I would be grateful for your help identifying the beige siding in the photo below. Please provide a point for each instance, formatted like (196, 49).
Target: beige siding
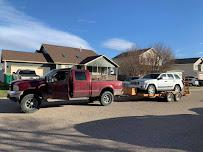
(39, 71)
(186, 68)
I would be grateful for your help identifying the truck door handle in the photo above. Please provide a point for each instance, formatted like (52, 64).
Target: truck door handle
(165, 81)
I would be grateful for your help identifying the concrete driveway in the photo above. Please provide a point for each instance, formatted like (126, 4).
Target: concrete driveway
(126, 125)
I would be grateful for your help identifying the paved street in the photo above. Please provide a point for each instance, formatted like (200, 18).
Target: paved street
(132, 125)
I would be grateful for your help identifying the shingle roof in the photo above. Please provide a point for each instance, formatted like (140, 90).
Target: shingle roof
(62, 54)
(90, 58)
(124, 54)
(9, 55)
(185, 60)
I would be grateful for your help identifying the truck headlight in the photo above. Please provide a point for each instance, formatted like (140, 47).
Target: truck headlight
(15, 88)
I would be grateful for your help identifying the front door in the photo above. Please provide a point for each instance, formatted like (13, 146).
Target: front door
(162, 82)
(58, 87)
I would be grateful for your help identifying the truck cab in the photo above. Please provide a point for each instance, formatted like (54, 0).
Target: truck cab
(62, 84)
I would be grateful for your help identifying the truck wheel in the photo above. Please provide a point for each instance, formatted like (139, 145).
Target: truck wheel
(177, 88)
(178, 96)
(170, 97)
(151, 90)
(106, 98)
(29, 103)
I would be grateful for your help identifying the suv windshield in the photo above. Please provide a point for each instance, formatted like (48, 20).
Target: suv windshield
(151, 76)
(27, 72)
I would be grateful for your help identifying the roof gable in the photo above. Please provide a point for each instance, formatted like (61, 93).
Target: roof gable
(135, 52)
(91, 59)
(65, 55)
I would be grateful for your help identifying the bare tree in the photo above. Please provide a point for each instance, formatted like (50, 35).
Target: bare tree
(135, 62)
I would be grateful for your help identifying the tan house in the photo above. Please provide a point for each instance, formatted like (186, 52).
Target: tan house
(50, 57)
(189, 67)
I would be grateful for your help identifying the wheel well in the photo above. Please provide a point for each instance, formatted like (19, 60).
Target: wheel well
(179, 86)
(30, 91)
(153, 85)
(107, 89)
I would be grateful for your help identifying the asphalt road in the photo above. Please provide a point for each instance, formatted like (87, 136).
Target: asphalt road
(126, 125)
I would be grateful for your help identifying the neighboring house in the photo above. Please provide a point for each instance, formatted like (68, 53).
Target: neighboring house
(146, 57)
(55, 57)
(189, 67)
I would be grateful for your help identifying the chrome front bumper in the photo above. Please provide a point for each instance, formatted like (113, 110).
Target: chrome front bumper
(14, 95)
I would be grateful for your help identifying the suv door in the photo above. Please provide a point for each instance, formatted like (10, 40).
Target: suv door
(171, 81)
(162, 82)
(58, 87)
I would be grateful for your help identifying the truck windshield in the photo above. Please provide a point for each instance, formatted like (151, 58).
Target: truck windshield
(151, 76)
(50, 73)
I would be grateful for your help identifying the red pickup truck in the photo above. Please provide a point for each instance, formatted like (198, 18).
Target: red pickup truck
(62, 84)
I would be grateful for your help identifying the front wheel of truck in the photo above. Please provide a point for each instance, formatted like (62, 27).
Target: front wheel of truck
(106, 98)
(29, 103)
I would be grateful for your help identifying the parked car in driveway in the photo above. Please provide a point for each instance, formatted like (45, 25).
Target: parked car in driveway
(25, 74)
(192, 80)
(156, 82)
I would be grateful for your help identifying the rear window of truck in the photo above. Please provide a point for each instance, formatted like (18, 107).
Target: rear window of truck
(80, 75)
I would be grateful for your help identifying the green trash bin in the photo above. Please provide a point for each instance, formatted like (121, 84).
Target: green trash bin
(8, 78)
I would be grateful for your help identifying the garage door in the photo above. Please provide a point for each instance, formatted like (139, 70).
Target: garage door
(39, 71)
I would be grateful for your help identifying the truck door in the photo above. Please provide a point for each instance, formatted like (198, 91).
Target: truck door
(81, 84)
(58, 87)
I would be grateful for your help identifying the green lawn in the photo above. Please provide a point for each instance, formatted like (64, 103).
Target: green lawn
(3, 93)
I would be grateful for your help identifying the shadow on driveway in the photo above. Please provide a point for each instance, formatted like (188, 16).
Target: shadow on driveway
(183, 132)
(8, 106)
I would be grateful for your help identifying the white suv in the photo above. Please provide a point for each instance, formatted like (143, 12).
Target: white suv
(157, 82)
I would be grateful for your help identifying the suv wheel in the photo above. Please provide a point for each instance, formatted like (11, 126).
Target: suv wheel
(151, 90)
(106, 98)
(29, 103)
(177, 88)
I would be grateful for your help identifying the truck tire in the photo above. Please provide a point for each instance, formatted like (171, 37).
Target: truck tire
(106, 98)
(29, 103)
(151, 89)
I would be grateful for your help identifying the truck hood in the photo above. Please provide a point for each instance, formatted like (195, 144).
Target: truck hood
(29, 84)
(28, 81)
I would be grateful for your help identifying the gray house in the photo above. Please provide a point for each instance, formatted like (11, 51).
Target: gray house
(189, 67)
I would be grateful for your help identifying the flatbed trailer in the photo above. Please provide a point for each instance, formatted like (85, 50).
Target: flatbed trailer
(170, 96)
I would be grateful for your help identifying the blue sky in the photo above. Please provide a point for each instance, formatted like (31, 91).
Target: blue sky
(107, 26)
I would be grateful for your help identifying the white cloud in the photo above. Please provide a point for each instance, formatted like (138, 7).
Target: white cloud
(118, 44)
(20, 32)
(201, 43)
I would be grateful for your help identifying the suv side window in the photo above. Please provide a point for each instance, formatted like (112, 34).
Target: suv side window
(80, 75)
(176, 76)
(60, 76)
(163, 76)
(170, 76)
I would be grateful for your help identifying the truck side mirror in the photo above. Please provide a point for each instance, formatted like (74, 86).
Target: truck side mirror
(14, 73)
(160, 78)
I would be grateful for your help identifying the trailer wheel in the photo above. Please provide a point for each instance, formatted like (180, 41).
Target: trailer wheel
(178, 96)
(170, 97)
(106, 98)
(30, 103)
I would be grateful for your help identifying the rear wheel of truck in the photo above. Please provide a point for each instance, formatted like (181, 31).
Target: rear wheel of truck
(106, 98)
(29, 103)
